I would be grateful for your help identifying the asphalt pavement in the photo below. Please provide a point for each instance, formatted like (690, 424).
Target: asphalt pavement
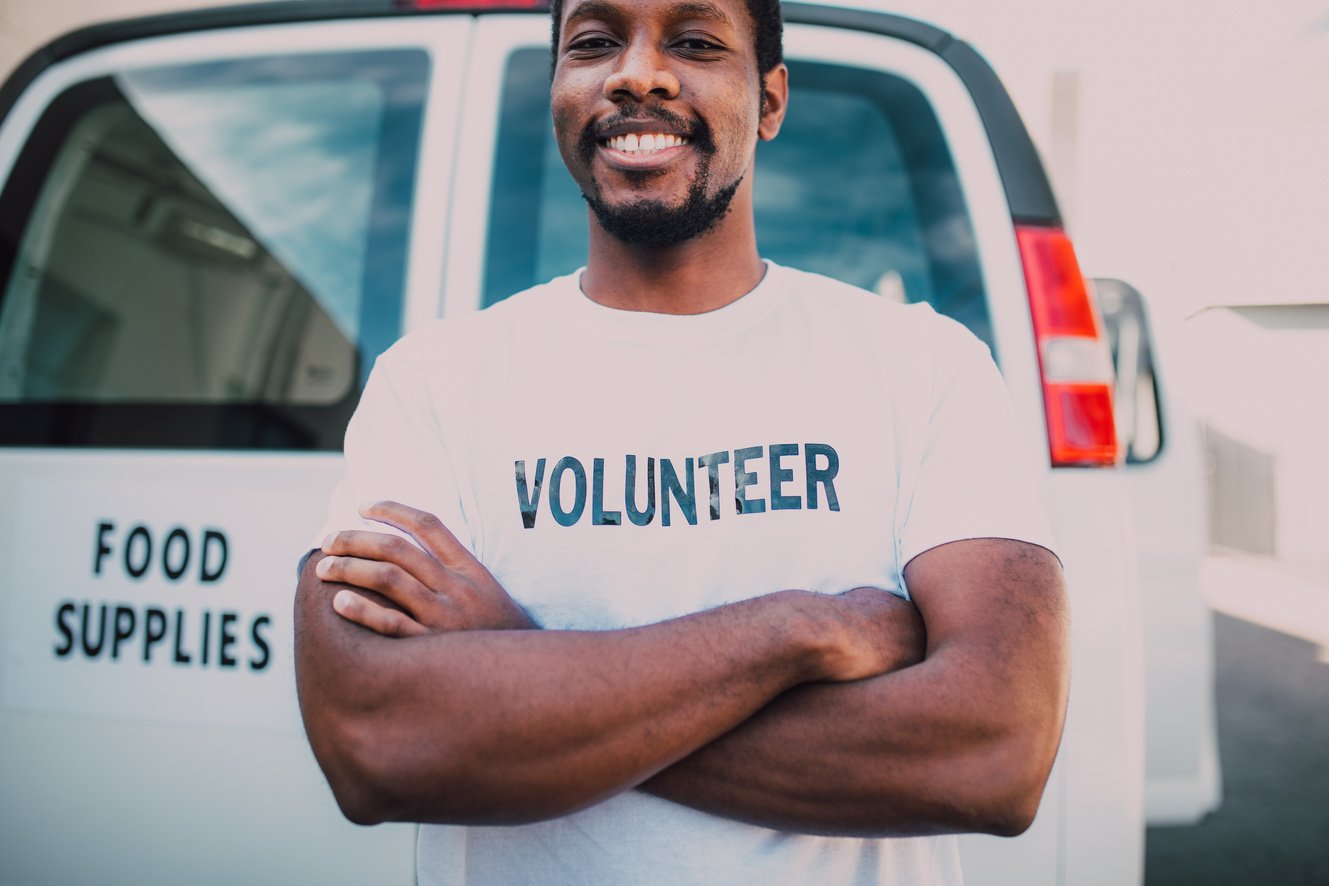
(1273, 734)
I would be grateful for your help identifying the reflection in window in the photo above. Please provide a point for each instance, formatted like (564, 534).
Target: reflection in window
(294, 162)
(859, 185)
(229, 233)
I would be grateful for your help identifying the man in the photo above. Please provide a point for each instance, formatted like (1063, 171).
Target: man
(655, 623)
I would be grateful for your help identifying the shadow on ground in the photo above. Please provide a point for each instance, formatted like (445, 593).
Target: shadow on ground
(1273, 736)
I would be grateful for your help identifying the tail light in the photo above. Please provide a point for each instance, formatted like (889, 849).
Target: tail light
(1073, 353)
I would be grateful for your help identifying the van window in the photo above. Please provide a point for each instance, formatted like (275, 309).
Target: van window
(208, 255)
(859, 185)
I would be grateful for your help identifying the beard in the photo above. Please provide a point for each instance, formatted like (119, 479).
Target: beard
(652, 223)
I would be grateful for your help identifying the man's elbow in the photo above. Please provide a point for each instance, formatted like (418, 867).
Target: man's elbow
(356, 744)
(359, 803)
(348, 764)
(1011, 795)
(370, 776)
(1013, 813)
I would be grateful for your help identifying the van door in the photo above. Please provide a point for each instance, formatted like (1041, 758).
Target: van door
(204, 242)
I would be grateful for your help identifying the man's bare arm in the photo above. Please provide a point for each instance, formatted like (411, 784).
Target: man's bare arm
(963, 741)
(506, 726)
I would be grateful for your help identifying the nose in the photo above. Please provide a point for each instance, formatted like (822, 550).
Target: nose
(641, 72)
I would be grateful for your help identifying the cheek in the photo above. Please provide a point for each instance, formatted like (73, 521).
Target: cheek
(564, 126)
(735, 129)
(567, 131)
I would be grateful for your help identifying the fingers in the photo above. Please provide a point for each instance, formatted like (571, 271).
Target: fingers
(380, 546)
(423, 526)
(380, 619)
(385, 577)
(388, 550)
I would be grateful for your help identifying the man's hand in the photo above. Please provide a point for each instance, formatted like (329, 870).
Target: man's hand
(440, 588)
(881, 633)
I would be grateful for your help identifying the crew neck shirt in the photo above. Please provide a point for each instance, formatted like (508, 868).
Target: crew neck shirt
(616, 468)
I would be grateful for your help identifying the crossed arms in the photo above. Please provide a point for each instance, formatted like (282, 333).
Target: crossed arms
(428, 694)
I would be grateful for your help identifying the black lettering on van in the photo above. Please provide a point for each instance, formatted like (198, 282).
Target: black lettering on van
(260, 643)
(138, 533)
(226, 640)
(176, 540)
(125, 632)
(66, 646)
(207, 638)
(154, 630)
(181, 657)
(125, 620)
(102, 547)
(210, 570)
(90, 650)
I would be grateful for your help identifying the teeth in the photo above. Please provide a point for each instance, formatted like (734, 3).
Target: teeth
(645, 143)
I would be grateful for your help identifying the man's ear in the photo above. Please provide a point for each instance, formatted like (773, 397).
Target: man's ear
(774, 100)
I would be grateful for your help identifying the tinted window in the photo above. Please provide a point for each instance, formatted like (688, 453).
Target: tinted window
(859, 185)
(208, 255)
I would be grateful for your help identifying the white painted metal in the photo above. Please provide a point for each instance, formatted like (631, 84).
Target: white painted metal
(1183, 782)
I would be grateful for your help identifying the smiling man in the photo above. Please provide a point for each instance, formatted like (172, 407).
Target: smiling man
(697, 569)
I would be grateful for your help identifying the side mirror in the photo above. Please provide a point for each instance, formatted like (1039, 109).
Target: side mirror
(1139, 412)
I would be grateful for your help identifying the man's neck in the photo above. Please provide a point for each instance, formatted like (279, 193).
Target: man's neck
(694, 277)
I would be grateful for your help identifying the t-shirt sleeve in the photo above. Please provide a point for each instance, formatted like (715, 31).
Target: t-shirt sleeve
(395, 450)
(979, 475)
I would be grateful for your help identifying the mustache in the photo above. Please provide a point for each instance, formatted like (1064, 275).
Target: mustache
(698, 132)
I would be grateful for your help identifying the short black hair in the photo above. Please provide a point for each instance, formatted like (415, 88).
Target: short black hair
(767, 30)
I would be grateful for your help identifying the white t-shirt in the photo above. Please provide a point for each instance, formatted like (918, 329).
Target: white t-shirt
(808, 435)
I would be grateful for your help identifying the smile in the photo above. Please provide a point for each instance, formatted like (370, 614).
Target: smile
(645, 143)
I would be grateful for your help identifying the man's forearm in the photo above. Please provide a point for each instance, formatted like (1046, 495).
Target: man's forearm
(893, 755)
(960, 742)
(511, 726)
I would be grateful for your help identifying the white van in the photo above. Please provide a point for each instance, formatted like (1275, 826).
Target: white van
(210, 224)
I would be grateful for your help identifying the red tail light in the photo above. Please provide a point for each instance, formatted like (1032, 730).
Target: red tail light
(1073, 353)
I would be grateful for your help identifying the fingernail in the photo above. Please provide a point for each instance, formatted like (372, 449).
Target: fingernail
(367, 505)
(324, 566)
(327, 542)
(341, 601)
